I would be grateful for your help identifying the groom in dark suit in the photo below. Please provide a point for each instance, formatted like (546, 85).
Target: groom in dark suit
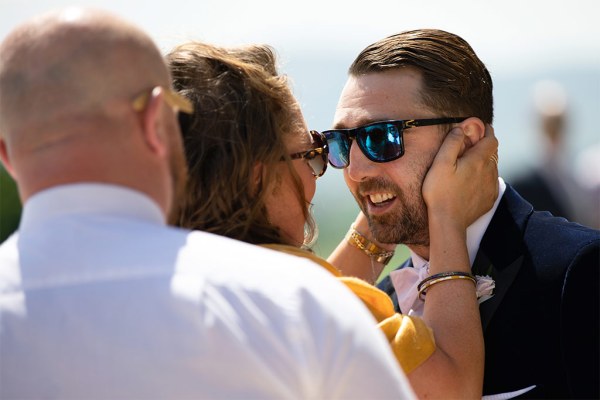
(538, 275)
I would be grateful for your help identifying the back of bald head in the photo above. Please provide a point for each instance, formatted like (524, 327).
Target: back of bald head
(68, 69)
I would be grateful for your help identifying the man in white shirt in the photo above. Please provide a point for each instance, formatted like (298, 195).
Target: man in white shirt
(98, 297)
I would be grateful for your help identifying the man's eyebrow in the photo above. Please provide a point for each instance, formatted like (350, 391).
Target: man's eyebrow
(361, 122)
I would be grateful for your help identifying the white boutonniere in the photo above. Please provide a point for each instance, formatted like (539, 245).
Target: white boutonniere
(485, 287)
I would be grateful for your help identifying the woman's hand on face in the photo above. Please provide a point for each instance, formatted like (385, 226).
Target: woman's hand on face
(462, 183)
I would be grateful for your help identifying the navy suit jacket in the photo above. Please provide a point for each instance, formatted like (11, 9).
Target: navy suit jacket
(542, 325)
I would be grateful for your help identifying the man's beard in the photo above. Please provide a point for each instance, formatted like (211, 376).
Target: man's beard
(407, 223)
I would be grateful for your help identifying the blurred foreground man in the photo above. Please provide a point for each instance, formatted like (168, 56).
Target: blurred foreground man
(98, 297)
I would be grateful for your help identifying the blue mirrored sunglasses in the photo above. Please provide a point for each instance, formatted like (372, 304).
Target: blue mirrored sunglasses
(379, 141)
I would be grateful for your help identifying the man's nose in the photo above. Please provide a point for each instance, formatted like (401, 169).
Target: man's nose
(360, 166)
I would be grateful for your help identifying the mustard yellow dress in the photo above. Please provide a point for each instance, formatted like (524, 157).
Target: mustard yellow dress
(410, 338)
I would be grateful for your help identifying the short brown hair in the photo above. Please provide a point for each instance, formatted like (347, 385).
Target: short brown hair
(244, 114)
(455, 81)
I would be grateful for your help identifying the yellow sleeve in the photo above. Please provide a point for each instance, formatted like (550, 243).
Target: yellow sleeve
(377, 301)
(410, 338)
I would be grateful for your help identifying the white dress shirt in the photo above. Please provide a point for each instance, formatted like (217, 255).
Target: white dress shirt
(99, 299)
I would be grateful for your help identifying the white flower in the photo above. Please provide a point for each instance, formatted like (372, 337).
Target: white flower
(485, 287)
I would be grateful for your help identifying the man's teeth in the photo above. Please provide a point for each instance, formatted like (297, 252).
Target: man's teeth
(380, 198)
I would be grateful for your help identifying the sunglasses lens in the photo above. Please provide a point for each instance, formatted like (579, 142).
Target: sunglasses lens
(380, 142)
(318, 164)
(339, 148)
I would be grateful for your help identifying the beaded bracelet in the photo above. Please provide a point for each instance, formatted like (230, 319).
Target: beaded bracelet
(358, 240)
(426, 283)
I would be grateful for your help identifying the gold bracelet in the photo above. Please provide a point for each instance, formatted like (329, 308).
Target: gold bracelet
(428, 282)
(358, 240)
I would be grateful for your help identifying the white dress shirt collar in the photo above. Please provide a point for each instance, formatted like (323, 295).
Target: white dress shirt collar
(90, 198)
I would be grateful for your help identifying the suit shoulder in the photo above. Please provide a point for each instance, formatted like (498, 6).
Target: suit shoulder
(556, 244)
(557, 230)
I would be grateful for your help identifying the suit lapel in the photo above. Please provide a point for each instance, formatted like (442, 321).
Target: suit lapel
(503, 278)
(501, 250)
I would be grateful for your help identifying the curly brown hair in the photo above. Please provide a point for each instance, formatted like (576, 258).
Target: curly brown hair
(244, 114)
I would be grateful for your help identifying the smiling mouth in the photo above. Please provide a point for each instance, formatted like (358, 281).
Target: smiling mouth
(380, 199)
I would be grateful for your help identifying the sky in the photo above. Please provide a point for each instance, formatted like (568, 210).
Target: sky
(520, 41)
(508, 34)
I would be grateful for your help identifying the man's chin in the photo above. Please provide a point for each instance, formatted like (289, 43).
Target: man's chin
(424, 242)
(410, 235)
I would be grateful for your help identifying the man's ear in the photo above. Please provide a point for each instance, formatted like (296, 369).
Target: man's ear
(473, 129)
(153, 123)
(5, 159)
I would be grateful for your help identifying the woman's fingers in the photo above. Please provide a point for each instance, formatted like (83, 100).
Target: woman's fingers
(463, 178)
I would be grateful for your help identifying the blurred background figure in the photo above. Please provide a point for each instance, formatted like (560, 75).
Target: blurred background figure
(551, 184)
(587, 175)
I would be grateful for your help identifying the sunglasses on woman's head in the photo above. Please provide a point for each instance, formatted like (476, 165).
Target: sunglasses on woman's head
(380, 142)
(317, 156)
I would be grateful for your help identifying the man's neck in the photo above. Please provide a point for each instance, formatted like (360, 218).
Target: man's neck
(421, 250)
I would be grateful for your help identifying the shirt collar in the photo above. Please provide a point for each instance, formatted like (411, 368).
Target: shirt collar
(475, 231)
(90, 198)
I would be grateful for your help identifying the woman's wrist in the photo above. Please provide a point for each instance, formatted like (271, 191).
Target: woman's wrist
(446, 217)
(447, 238)
(362, 225)
(371, 248)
